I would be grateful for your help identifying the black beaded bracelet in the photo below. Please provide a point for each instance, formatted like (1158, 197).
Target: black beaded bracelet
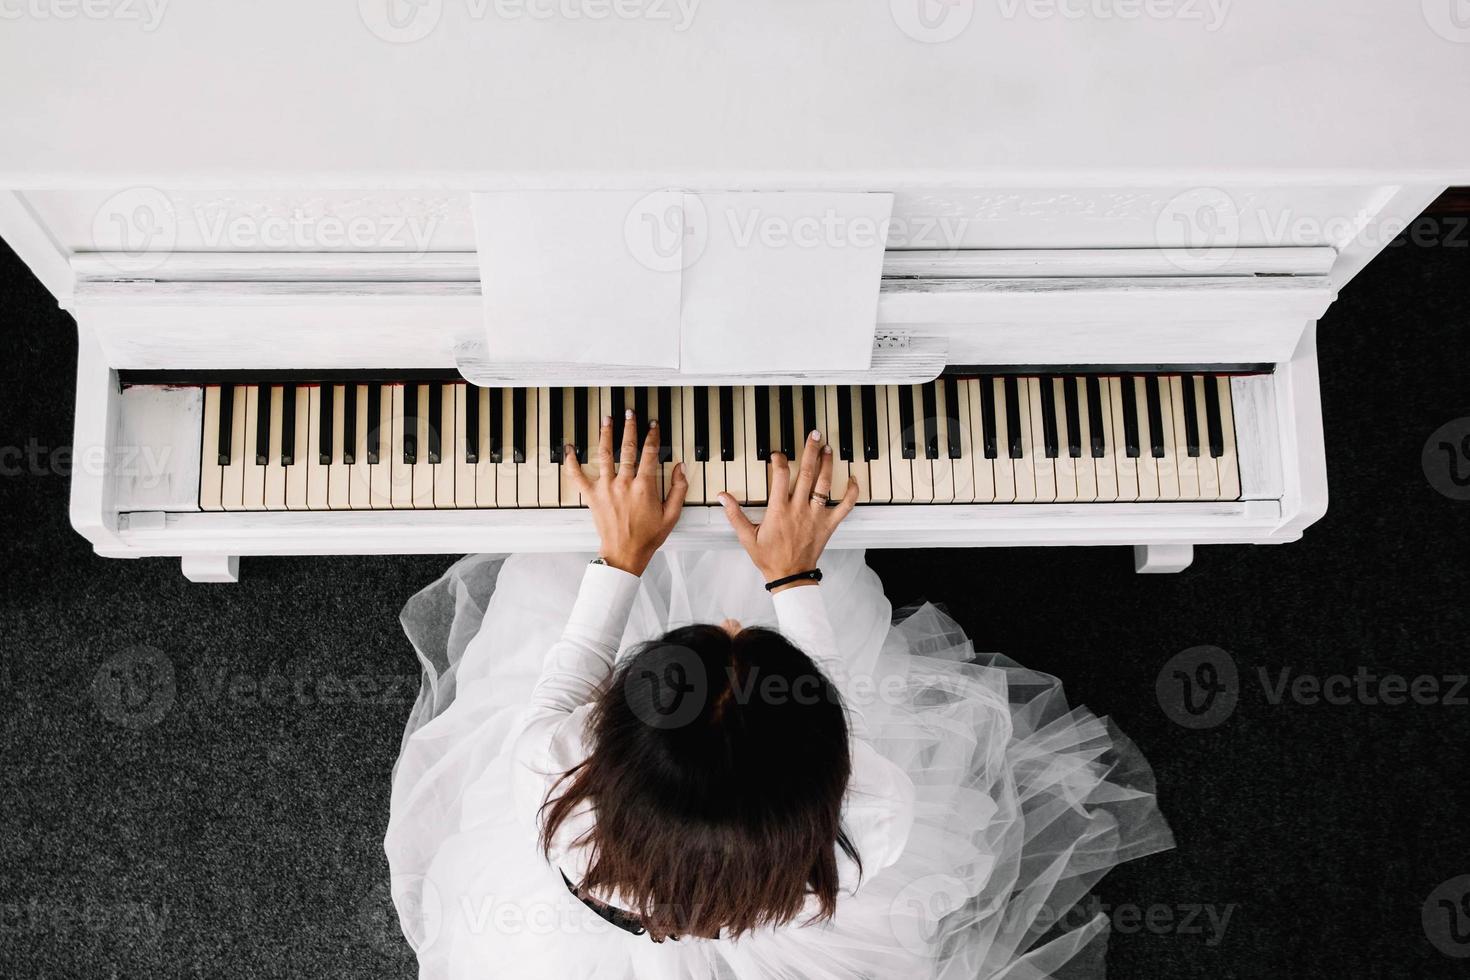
(814, 574)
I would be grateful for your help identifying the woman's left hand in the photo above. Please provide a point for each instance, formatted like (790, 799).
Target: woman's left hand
(631, 518)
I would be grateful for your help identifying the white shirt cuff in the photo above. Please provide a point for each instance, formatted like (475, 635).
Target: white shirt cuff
(604, 602)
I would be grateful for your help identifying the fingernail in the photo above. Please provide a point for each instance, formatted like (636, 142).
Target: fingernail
(627, 413)
(569, 449)
(816, 435)
(827, 450)
(653, 423)
(606, 421)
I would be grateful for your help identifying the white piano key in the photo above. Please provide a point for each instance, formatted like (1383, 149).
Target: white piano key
(1084, 466)
(736, 469)
(714, 467)
(1148, 463)
(1169, 463)
(841, 468)
(296, 473)
(1187, 465)
(567, 494)
(1064, 467)
(1043, 467)
(211, 473)
(921, 467)
(339, 474)
(671, 434)
(1209, 475)
(964, 466)
(693, 468)
(1228, 464)
(486, 470)
(317, 480)
(253, 494)
(528, 477)
(401, 472)
(1124, 467)
(1003, 466)
(900, 470)
(860, 468)
(755, 467)
(381, 473)
(423, 470)
(446, 469)
(879, 488)
(457, 454)
(275, 473)
(548, 479)
(232, 475)
(942, 466)
(1105, 469)
(507, 487)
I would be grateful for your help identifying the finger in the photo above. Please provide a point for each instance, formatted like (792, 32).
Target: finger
(806, 477)
(823, 488)
(678, 490)
(628, 460)
(779, 478)
(574, 465)
(744, 529)
(604, 450)
(648, 465)
(847, 503)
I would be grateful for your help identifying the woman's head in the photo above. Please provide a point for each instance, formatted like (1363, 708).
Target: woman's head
(718, 766)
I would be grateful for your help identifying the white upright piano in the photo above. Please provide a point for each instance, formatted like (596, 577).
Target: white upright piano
(1110, 231)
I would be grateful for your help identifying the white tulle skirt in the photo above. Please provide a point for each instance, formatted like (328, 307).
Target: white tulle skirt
(1023, 802)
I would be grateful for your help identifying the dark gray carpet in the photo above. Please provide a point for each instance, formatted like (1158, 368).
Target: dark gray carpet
(239, 835)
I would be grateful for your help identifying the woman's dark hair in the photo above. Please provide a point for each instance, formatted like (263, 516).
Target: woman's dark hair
(716, 775)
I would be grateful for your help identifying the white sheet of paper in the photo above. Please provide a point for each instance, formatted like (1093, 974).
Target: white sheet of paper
(584, 277)
(781, 281)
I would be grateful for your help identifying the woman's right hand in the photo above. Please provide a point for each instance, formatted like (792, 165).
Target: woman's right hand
(799, 520)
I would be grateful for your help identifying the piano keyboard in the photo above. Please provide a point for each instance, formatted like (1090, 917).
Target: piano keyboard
(996, 439)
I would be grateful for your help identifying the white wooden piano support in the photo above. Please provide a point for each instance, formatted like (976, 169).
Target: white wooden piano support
(1161, 558)
(212, 568)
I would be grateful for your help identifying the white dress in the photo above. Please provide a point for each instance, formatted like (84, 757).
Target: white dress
(982, 807)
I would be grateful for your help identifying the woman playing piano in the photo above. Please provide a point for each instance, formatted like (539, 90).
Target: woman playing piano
(594, 783)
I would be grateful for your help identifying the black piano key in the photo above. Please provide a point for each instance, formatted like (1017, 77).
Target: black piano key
(324, 425)
(619, 410)
(1074, 417)
(929, 396)
(288, 425)
(349, 424)
(518, 425)
(411, 423)
(787, 420)
(262, 425)
(579, 424)
(1130, 417)
(497, 424)
(987, 417)
(226, 422)
(1095, 434)
(665, 415)
(762, 422)
(1013, 417)
(701, 425)
(952, 416)
(555, 426)
(1191, 416)
(727, 424)
(1155, 416)
(1049, 438)
(907, 442)
(640, 413)
(872, 439)
(1213, 423)
(471, 423)
(436, 423)
(844, 422)
(808, 410)
(375, 424)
